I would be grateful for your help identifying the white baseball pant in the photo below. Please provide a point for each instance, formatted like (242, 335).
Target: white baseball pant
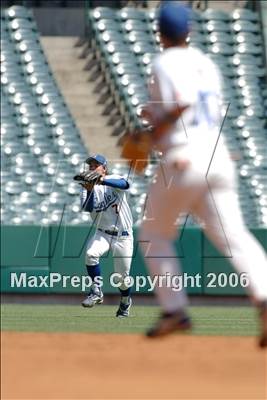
(214, 201)
(121, 248)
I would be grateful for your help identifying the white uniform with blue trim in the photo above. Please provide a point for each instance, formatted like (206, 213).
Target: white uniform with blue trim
(113, 220)
(111, 210)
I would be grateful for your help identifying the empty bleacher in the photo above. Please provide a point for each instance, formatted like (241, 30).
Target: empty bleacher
(41, 147)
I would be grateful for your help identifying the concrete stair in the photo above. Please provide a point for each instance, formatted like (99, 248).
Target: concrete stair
(84, 91)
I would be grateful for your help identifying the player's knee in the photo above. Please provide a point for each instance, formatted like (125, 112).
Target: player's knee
(150, 233)
(153, 244)
(147, 235)
(91, 258)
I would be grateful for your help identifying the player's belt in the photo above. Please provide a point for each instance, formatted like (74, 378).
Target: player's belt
(114, 233)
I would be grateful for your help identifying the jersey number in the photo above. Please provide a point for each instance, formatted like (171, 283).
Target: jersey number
(115, 206)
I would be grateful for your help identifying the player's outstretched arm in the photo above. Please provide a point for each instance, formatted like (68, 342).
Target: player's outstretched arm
(116, 183)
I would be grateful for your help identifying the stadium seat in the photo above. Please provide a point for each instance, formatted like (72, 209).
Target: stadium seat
(215, 15)
(245, 14)
(129, 13)
(101, 13)
(33, 114)
(18, 12)
(217, 26)
(245, 26)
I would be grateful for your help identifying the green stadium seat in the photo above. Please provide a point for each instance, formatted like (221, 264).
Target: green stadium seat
(135, 25)
(147, 58)
(248, 37)
(249, 122)
(112, 48)
(29, 45)
(251, 70)
(140, 48)
(21, 23)
(26, 199)
(245, 26)
(64, 178)
(246, 59)
(215, 15)
(6, 216)
(43, 188)
(18, 12)
(13, 187)
(12, 148)
(131, 14)
(110, 36)
(36, 67)
(32, 178)
(106, 24)
(59, 198)
(221, 48)
(24, 34)
(222, 37)
(49, 158)
(32, 55)
(140, 36)
(72, 189)
(100, 13)
(45, 88)
(249, 49)
(247, 81)
(245, 14)
(217, 26)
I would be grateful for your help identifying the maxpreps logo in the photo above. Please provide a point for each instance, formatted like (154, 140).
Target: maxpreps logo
(23, 280)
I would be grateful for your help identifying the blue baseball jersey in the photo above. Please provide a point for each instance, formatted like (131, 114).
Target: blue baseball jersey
(109, 206)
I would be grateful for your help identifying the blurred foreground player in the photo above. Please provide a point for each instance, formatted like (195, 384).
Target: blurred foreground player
(196, 175)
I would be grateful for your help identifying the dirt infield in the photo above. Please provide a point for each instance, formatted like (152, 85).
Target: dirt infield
(109, 366)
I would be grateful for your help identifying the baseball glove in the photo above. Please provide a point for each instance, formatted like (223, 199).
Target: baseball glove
(137, 146)
(136, 149)
(91, 177)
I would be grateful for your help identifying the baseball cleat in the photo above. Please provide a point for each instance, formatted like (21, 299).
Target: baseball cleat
(170, 322)
(124, 309)
(94, 297)
(263, 318)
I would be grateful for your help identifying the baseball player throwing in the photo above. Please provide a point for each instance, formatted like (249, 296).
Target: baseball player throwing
(196, 175)
(104, 196)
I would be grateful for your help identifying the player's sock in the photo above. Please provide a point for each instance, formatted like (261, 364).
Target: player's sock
(94, 272)
(125, 296)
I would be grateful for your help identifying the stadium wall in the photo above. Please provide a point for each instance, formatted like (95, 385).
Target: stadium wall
(61, 21)
(42, 251)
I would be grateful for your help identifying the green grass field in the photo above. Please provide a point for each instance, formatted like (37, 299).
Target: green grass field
(230, 321)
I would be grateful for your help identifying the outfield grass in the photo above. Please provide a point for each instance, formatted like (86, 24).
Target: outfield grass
(233, 321)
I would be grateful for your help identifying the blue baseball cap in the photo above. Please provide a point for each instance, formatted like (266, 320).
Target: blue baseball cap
(174, 20)
(97, 157)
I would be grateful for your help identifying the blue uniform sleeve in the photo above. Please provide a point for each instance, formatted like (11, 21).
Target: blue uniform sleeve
(120, 183)
(88, 204)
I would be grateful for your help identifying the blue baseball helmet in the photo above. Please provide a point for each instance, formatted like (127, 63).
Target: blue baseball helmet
(98, 158)
(174, 20)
